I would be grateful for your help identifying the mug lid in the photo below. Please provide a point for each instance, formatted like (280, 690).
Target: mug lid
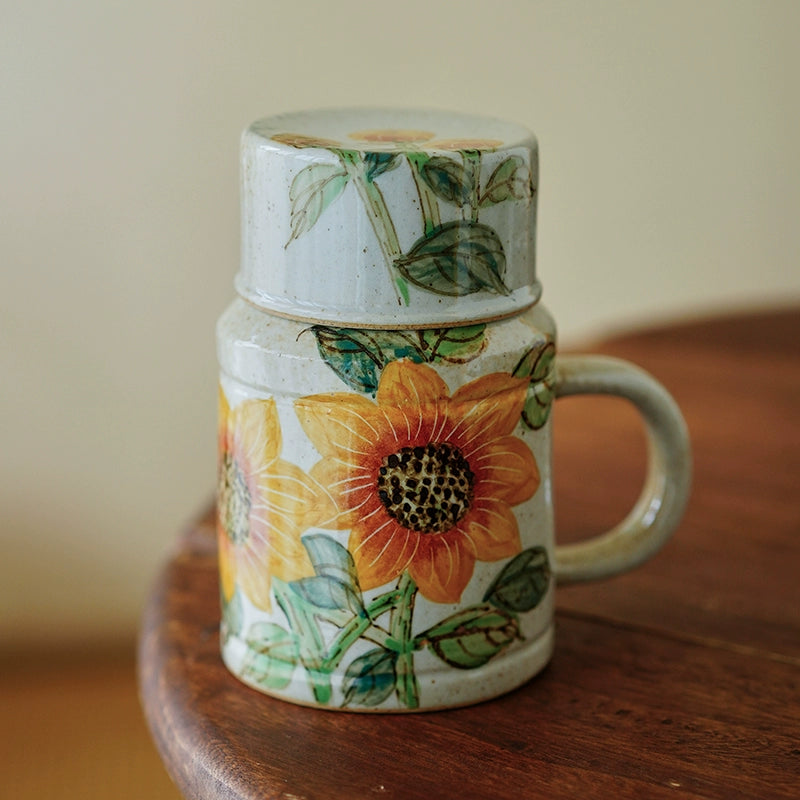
(388, 218)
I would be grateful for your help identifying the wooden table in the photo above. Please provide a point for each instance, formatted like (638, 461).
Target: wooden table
(681, 679)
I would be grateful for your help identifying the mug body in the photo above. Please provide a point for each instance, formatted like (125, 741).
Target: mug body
(385, 517)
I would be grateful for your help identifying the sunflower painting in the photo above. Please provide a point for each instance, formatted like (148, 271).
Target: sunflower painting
(264, 503)
(452, 258)
(410, 490)
(423, 480)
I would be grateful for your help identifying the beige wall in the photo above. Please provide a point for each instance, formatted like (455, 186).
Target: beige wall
(670, 186)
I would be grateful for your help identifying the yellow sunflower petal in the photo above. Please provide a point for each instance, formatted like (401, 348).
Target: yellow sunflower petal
(507, 470)
(227, 575)
(491, 530)
(287, 493)
(224, 432)
(342, 424)
(256, 430)
(301, 140)
(273, 550)
(488, 407)
(255, 581)
(442, 567)
(290, 561)
(381, 549)
(322, 511)
(465, 144)
(404, 383)
(391, 135)
(348, 488)
(222, 404)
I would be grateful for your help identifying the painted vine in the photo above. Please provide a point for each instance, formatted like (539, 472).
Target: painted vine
(467, 639)
(456, 258)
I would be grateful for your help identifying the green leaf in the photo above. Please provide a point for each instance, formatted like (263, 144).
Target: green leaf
(289, 602)
(301, 622)
(456, 259)
(448, 179)
(522, 583)
(308, 637)
(470, 638)
(331, 559)
(537, 364)
(538, 403)
(233, 615)
(454, 345)
(358, 356)
(272, 655)
(378, 163)
(511, 179)
(370, 679)
(313, 189)
(324, 592)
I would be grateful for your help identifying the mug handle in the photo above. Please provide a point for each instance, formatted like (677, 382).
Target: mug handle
(661, 504)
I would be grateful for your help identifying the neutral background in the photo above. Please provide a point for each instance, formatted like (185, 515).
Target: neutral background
(670, 187)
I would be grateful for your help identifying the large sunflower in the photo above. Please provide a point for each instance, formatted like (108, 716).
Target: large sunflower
(263, 503)
(424, 481)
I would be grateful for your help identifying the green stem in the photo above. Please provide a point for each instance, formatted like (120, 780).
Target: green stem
(429, 205)
(400, 629)
(358, 627)
(318, 676)
(379, 217)
(310, 644)
(472, 163)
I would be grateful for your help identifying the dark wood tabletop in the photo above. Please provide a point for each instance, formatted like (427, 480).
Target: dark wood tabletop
(679, 679)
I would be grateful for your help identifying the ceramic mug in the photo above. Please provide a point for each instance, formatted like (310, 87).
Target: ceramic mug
(385, 511)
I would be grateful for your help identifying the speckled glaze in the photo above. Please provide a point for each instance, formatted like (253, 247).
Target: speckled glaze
(340, 208)
(385, 515)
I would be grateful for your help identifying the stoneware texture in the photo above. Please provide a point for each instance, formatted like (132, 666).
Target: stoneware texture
(385, 515)
(388, 219)
(385, 505)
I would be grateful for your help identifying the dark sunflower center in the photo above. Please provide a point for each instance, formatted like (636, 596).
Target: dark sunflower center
(234, 501)
(427, 489)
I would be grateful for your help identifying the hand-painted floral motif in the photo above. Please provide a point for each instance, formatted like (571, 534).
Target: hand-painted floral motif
(424, 481)
(394, 136)
(465, 144)
(264, 503)
(458, 257)
(358, 355)
(537, 366)
(301, 141)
